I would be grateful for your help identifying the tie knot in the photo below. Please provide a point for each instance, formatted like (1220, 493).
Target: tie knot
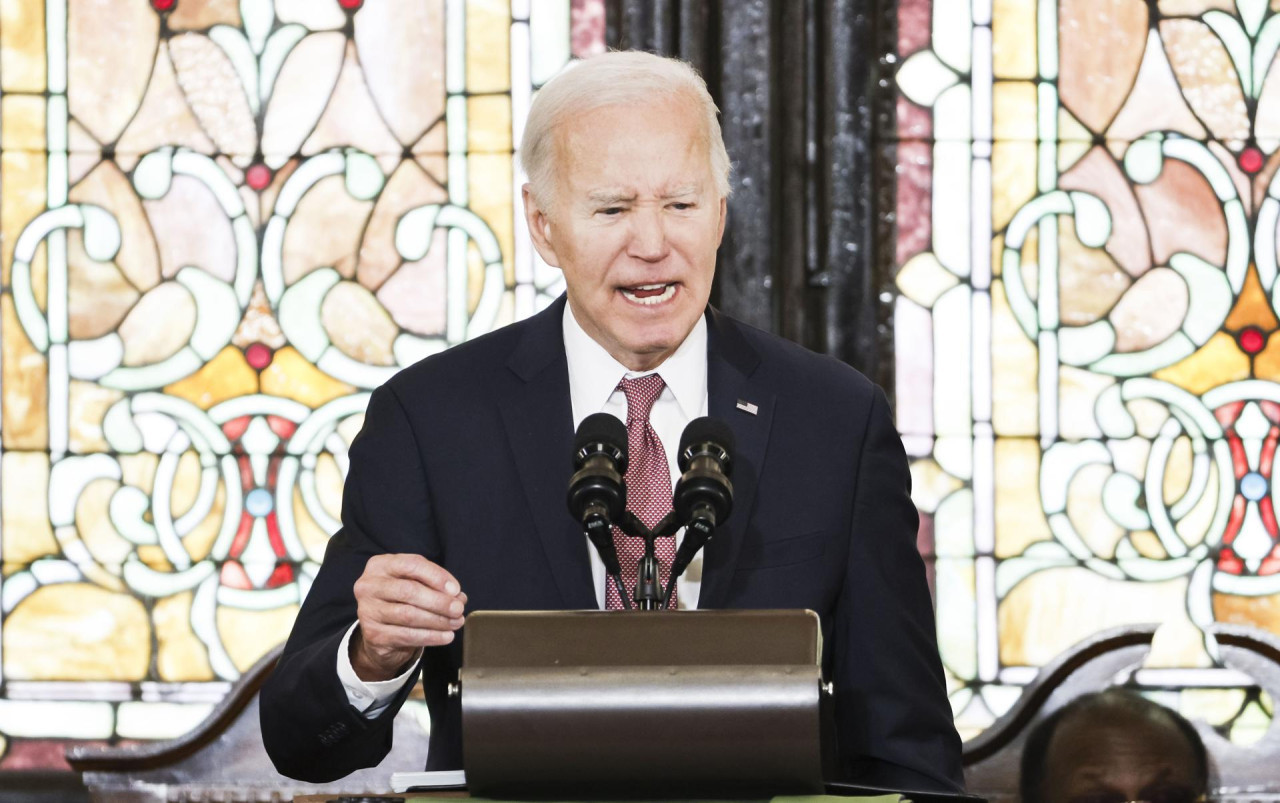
(641, 393)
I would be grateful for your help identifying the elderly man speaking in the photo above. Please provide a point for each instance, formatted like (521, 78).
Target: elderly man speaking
(454, 500)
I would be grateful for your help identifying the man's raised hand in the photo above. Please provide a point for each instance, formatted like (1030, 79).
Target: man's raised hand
(404, 603)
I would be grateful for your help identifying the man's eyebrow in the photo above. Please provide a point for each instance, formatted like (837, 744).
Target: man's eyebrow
(607, 197)
(683, 189)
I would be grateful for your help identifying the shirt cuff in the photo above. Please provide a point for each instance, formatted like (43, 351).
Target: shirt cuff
(369, 698)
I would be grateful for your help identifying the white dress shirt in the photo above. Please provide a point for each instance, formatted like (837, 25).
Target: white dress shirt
(593, 388)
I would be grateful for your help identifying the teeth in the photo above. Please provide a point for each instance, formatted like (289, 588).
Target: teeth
(668, 291)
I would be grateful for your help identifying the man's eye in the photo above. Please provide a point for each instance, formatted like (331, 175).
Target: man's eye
(611, 210)
(681, 206)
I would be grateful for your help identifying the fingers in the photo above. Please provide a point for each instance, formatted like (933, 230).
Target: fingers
(407, 601)
(381, 636)
(413, 594)
(416, 567)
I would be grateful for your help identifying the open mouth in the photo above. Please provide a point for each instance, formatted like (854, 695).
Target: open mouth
(650, 294)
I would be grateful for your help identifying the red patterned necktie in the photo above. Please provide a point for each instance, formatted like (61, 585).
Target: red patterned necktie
(648, 486)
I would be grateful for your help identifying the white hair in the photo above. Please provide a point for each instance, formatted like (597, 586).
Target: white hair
(613, 78)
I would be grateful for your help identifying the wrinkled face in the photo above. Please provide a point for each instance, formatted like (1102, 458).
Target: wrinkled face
(634, 223)
(1120, 758)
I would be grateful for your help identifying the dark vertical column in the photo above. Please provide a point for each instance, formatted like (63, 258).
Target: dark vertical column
(794, 80)
(797, 145)
(849, 309)
(748, 255)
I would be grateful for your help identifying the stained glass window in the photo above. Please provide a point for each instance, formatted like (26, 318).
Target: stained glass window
(1086, 380)
(223, 224)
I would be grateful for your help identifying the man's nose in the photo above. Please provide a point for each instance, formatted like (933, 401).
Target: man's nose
(648, 236)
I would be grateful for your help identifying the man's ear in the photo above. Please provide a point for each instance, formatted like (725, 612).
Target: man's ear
(539, 224)
(724, 217)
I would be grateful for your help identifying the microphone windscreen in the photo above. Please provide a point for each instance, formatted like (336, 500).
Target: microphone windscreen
(601, 428)
(707, 430)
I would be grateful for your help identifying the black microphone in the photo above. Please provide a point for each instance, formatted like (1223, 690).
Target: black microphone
(704, 494)
(597, 494)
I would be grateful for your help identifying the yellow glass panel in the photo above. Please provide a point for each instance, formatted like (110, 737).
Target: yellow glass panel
(1020, 519)
(224, 377)
(1251, 726)
(1148, 545)
(1266, 365)
(139, 470)
(489, 183)
(108, 187)
(22, 58)
(314, 539)
(76, 631)
(180, 656)
(1014, 106)
(930, 484)
(22, 175)
(1260, 612)
(1214, 706)
(1053, 610)
(358, 325)
(1195, 526)
(329, 485)
(248, 635)
(1013, 180)
(1085, 511)
(1013, 35)
(489, 124)
(154, 557)
(88, 405)
(1177, 471)
(200, 540)
(291, 376)
(94, 525)
(1078, 392)
(1013, 365)
(475, 277)
(159, 325)
(1217, 362)
(25, 385)
(1089, 281)
(24, 478)
(23, 122)
(1252, 307)
(488, 46)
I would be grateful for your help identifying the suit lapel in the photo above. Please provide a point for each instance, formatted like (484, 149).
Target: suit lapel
(731, 367)
(538, 417)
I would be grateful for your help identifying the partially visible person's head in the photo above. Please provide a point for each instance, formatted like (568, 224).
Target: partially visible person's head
(1114, 746)
(627, 190)
(617, 78)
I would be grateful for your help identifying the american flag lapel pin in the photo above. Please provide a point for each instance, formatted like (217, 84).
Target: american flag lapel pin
(747, 407)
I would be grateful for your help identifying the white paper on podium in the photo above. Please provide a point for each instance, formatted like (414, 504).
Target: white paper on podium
(445, 779)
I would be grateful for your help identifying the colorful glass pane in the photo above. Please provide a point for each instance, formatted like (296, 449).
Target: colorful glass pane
(223, 224)
(1086, 261)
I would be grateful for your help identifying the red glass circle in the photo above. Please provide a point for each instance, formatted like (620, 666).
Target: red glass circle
(351, 5)
(1252, 340)
(163, 5)
(258, 176)
(1251, 160)
(258, 356)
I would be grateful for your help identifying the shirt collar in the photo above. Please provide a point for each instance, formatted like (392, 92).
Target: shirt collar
(594, 373)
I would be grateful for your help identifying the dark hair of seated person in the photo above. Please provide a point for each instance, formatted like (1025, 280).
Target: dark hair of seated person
(1114, 746)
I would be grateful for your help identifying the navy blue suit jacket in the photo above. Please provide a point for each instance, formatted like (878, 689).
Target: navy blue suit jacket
(464, 458)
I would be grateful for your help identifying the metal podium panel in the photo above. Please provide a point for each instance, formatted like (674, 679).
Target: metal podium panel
(632, 704)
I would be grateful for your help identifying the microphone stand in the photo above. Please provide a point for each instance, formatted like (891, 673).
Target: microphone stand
(649, 595)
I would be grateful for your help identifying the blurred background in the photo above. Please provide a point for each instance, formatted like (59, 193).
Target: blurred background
(1047, 228)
